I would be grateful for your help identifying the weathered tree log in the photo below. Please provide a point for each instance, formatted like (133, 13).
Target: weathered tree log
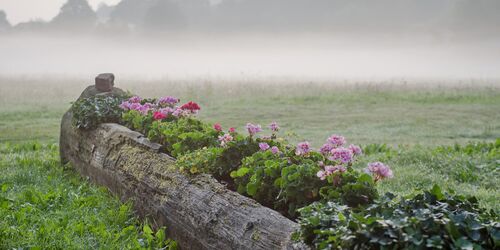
(198, 211)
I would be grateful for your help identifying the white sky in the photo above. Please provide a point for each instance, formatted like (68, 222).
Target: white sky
(25, 10)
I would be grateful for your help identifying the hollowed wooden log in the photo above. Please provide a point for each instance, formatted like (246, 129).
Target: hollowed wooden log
(198, 211)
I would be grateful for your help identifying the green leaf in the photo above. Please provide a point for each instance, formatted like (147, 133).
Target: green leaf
(436, 191)
(242, 172)
(147, 230)
(252, 188)
(365, 178)
(5, 187)
(160, 236)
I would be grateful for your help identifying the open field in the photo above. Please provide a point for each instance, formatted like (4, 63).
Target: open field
(413, 119)
(394, 113)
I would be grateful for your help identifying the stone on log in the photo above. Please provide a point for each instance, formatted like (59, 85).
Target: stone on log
(198, 211)
(105, 82)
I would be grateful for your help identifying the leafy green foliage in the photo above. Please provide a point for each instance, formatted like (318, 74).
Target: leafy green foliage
(134, 120)
(88, 113)
(183, 135)
(202, 160)
(431, 219)
(257, 176)
(219, 161)
(287, 181)
(351, 188)
(45, 206)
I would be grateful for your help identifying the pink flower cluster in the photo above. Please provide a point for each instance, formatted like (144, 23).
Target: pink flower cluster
(336, 141)
(225, 139)
(379, 170)
(159, 115)
(329, 170)
(335, 151)
(264, 147)
(161, 109)
(303, 148)
(168, 101)
(356, 150)
(274, 127)
(344, 155)
(253, 129)
(218, 127)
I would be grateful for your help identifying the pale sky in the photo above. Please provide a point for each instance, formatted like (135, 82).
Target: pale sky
(25, 10)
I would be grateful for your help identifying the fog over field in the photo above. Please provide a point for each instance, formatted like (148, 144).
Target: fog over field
(253, 56)
(324, 40)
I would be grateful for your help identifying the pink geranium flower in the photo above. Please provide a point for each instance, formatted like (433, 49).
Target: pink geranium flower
(344, 155)
(159, 116)
(274, 127)
(125, 105)
(264, 146)
(135, 99)
(336, 141)
(356, 150)
(218, 127)
(334, 169)
(192, 107)
(326, 149)
(379, 170)
(322, 175)
(253, 129)
(225, 139)
(168, 100)
(275, 150)
(303, 148)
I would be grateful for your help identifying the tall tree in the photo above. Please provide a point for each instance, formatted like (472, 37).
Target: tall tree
(75, 14)
(164, 15)
(130, 13)
(4, 23)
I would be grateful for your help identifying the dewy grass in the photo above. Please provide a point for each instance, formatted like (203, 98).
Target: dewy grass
(45, 206)
(472, 169)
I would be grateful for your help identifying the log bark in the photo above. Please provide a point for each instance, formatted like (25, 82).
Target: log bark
(198, 211)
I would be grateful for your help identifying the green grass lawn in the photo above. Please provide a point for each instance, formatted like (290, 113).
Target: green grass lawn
(471, 169)
(45, 204)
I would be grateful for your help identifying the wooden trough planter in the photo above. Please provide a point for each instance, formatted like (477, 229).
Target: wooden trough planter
(198, 211)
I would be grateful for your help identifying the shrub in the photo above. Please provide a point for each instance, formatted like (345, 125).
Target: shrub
(431, 219)
(183, 135)
(351, 188)
(134, 120)
(166, 123)
(283, 181)
(202, 160)
(298, 176)
(88, 113)
(219, 161)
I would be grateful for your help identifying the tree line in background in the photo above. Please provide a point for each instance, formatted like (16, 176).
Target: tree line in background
(158, 16)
